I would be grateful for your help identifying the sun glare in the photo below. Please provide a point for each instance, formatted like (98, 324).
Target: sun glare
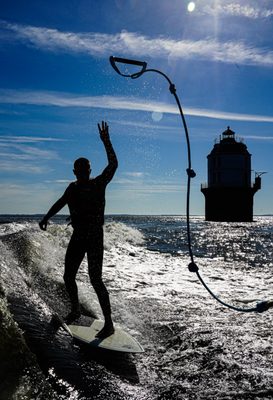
(191, 6)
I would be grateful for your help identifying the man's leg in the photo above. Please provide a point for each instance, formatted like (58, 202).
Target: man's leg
(73, 258)
(95, 261)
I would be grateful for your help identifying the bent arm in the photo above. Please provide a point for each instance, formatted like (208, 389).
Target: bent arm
(52, 211)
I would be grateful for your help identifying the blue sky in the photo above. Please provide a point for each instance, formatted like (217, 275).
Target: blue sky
(56, 83)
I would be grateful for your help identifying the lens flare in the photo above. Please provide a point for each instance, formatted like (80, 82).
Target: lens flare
(191, 6)
(157, 116)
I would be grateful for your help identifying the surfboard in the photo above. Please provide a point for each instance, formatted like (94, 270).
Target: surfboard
(119, 341)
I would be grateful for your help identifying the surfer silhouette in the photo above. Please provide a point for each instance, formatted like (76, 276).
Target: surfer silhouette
(86, 202)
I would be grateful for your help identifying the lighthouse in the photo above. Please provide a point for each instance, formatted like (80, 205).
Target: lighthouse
(229, 191)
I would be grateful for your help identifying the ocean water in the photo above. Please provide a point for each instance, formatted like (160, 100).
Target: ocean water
(194, 347)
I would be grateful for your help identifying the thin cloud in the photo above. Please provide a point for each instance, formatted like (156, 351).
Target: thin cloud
(28, 152)
(137, 45)
(36, 153)
(15, 156)
(142, 125)
(119, 103)
(146, 186)
(256, 137)
(228, 115)
(27, 197)
(135, 174)
(59, 181)
(149, 187)
(11, 166)
(28, 139)
(18, 155)
(236, 10)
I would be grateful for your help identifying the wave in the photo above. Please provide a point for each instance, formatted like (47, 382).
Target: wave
(118, 234)
(20, 374)
(31, 290)
(153, 294)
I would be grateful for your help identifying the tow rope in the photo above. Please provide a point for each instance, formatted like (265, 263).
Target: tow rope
(260, 306)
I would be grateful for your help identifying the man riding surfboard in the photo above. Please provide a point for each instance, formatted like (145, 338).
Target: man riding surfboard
(86, 202)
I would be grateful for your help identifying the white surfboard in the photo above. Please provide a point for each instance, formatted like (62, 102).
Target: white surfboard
(118, 341)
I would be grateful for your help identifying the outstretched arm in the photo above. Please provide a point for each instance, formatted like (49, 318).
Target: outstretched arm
(52, 211)
(109, 171)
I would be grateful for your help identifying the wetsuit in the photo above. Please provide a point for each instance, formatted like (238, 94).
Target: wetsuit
(86, 202)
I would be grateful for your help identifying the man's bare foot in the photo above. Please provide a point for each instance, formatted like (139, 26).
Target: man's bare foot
(106, 331)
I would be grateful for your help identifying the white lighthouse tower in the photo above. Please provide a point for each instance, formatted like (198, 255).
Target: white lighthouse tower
(229, 192)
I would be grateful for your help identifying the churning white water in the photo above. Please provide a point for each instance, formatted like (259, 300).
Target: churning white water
(194, 347)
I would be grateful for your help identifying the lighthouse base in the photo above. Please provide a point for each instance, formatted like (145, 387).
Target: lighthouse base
(229, 204)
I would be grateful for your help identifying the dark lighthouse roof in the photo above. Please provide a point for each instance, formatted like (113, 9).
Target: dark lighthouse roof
(228, 133)
(228, 144)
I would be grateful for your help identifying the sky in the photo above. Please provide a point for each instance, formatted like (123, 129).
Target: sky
(56, 84)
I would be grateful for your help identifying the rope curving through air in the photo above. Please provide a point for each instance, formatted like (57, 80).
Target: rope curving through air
(260, 306)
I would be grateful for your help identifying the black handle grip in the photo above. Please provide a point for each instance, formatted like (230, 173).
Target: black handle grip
(113, 60)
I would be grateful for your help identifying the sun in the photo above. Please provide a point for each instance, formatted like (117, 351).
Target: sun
(191, 6)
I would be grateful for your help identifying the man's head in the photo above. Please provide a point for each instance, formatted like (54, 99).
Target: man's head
(82, 169)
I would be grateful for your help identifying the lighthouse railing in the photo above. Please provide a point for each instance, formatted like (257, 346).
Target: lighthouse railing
(254, 185)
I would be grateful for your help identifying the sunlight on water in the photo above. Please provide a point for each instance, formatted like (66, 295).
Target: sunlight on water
(194, 348)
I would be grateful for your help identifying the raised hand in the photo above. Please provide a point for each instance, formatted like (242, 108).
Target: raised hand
(103, 130)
